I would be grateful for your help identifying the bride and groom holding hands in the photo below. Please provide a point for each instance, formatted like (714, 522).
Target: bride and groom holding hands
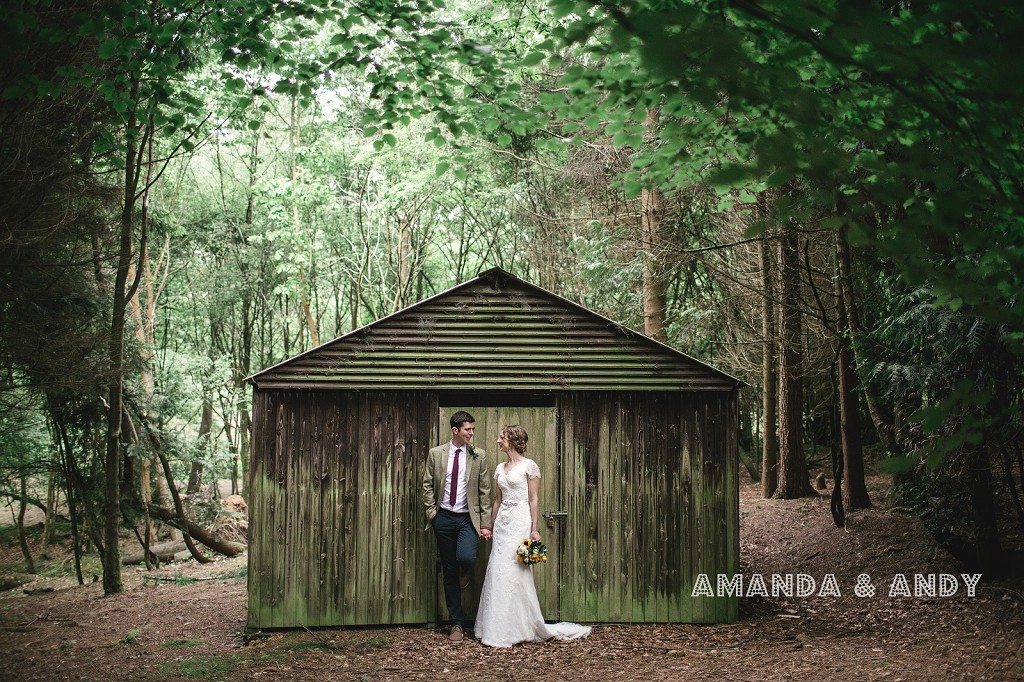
(457, 494)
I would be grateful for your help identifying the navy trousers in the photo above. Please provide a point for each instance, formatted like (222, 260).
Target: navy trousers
(456, 545)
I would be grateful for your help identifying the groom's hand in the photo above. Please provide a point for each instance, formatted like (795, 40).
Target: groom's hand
(485, 533)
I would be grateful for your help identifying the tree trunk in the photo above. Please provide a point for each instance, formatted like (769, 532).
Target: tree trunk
(112, 462)
(144, 315)
(146, 498)
(225, 547)
(68, 469)
(884, 428)
(195, 477)
(770, 379)
(51, 503)
(244, 449)
(404, 257)
(651, 243)
(855, 492)
(30, 565)
(294, 139)
(179, 510)
(163, 552)
(793, 479)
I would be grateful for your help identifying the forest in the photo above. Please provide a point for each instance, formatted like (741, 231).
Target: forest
(822, 199)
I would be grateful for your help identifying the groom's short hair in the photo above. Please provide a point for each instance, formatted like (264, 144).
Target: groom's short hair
(461, 417)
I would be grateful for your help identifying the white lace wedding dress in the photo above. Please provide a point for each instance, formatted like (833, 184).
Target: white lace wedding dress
(509, 612)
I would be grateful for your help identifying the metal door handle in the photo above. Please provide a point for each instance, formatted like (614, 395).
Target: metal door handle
(552, 515)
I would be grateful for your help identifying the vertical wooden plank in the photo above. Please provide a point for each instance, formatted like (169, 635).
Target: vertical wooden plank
(602, 609)
(280, 511)
(304, 469)
(367, 563)
(732, 460)
(431, 593)
(274, 514)
(546, 423)
(619, 492)
(296, 479)
(589, 413)
(314, 595)
(305, 557)
(332, 535)
(571, 484)
(419, 572)
(696, 473)
(404, 412)
(685, 536)
(373, 543)
(643, 474)
(710, 529)
(389, 487)
(676, 512)
(257, 510)
(649, 549)
(268, 487)
(713, 471)
(655, 471)
(293, 526)
(409, 517)
(281, 481)
(382, 486)
(351, 458)
(717, 447)
(332, 526)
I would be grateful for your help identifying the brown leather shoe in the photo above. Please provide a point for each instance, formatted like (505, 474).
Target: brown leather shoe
(456, 634)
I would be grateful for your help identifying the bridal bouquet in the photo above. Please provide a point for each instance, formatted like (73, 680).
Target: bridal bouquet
(532, 552)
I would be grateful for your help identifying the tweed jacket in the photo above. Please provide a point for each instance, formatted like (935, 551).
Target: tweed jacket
(478, 485)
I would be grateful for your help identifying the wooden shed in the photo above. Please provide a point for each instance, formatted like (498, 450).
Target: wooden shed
(637, 445)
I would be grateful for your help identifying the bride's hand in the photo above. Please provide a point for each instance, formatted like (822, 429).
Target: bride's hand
(535, 536)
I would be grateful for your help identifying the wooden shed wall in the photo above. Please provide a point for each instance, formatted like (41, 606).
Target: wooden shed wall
(651, 484)
(650, 481)
(336, 520)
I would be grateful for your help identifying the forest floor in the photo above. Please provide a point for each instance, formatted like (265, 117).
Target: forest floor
(187, 621)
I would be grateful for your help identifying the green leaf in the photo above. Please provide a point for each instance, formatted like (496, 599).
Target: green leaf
(897, 465)
(441, 168)
(107, 49)
(532, 59)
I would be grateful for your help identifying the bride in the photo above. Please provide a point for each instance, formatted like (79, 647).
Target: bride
(509, 612)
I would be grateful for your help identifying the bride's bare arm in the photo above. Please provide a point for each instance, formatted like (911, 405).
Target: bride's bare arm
(497, 503)
(533, 486)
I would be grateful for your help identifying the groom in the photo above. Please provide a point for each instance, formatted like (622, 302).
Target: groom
(457, 497)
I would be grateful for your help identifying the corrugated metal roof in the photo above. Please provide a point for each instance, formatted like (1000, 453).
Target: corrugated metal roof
(495, 332)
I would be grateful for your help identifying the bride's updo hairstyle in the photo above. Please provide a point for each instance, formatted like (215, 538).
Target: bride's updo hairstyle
(516, 437)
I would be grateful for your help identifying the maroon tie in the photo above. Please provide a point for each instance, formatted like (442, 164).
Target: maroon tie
(455, 478)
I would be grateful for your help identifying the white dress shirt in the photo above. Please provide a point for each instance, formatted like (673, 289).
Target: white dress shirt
(461, 501)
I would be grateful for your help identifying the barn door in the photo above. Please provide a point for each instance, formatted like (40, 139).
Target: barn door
(539, 423)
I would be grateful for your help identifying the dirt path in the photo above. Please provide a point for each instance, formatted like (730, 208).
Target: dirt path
(160, 630)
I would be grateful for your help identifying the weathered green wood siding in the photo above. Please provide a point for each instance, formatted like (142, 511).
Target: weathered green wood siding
(336, 520)
(501, 334)
(650, 481)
